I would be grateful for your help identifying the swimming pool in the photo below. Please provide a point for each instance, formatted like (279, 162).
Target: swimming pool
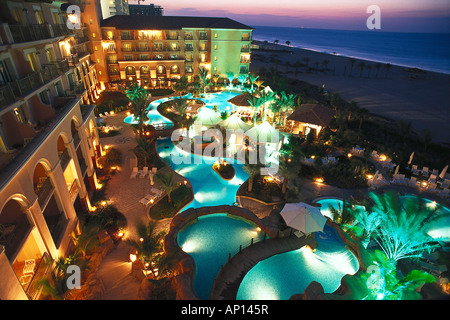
(209, 241)
(208, 187)
(285, 274)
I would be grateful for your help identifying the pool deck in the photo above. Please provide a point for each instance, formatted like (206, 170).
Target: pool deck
(125, 193)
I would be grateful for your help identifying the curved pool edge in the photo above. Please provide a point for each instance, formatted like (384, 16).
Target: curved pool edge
(185, 269)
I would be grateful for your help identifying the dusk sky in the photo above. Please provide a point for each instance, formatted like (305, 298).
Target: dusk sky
(396, 15)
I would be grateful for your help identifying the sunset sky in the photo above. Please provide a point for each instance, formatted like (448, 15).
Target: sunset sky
(396, 15)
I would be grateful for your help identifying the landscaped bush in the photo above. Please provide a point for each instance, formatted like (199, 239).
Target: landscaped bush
(111, 100)
(160, 92)
(348, 173)
(163, 209)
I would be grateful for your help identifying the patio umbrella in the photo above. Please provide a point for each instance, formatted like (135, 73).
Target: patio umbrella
(264, 133)
(303, 217)
(235, 123)
(396, 170)
(444, 171)
(207, 117)
(411, 158)
(375, 176)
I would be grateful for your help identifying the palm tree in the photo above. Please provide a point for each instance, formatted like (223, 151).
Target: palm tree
(352, 63)
(195, 88)
(276, 41)
(252, 78)
(87, 240)
(325, 65)
(139, 99)
(343, 216)
(54, 284)
(387, 67)
(297, 65)
(145, 150)
(253, 171)
(288, 102)
(288, 169)
(255, 103)
(258, 84)
(166, 264)
(288, 43)
(180, 86)
(402, 232)
(169, 184)
(203, 74)
(306, 61)
(361, 65)
(148, 244)
(230, 77)
(377, 67)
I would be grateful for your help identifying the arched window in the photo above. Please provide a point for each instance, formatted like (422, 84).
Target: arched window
(160, 70)
(144, 70)
(174, 69)
(130, 71)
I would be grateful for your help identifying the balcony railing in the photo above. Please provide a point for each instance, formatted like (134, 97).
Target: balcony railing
(41, 272)
(65, 159)
(50, 72)
(142, 49)
(22, 156)
(127, 49)
(13, 240)
(21, 33)
(25, 85)
(127, 37)
(44, 192)
(60, 30)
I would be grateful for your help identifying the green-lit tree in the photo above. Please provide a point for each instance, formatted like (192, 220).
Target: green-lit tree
(169, 184)
(203, 74)
(139, 102)
(181, 85)
(148, 243)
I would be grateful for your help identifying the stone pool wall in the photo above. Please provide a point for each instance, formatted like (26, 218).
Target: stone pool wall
(185, 270)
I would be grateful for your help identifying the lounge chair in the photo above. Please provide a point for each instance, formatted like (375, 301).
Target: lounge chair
(147, 199)
(134, 173)
(144, 172)
(431, 187)
(445, 184)
(413, 181)
(425, 171)
(432, 178)
(415, 170)
(435, 172)
(157, 192)
(444, 193)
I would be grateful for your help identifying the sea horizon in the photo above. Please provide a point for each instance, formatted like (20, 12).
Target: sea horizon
(426, 51)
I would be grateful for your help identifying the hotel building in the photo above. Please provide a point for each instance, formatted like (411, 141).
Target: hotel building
(156, 50)
(48, 139)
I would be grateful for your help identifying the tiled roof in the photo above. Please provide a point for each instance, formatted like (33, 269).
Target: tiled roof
(124, 22)
(241, 100)
(313, 114)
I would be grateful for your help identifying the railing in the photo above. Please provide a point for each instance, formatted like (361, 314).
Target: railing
(73, 191)
(142, 49)
(14, 239)
(41, 272)
(25, 85)
(60, 30)
(127, 49)
(30, 149)
(201, 37)
(127, 37)
(58, 227)
(33, 32)
(65, 159)
(188, 48)
(44, 192)
(49, 72)
(76, 139)
(6, 95)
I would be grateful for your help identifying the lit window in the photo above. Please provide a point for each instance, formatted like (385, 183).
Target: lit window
(215, 35)
(95, 48)
(93, 35)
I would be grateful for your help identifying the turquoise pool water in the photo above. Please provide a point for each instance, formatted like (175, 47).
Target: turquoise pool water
(209, 241)
(281, 276)
(209, 188)
(155, 118)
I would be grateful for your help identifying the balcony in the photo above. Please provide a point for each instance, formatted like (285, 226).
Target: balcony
(65, 159)
(142, 49)
(50, 72)
(60, 30)
(44, 192)
(127, 50)
(23, 155)
(25, 85)
(16, 235)
(127, 37)
(203, 37)
(34, 32)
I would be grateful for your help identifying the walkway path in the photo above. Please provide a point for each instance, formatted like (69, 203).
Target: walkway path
(228, 281)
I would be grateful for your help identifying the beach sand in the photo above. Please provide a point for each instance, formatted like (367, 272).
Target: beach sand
(419, 97)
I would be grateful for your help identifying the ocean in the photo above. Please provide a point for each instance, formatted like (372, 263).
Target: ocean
(427, 51)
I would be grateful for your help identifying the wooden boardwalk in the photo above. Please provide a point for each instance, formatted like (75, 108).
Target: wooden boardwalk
(227, 283)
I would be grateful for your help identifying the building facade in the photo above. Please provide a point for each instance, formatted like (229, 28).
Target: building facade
(48, 139)
(145, 10)
(155, 52)
(113, 7)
